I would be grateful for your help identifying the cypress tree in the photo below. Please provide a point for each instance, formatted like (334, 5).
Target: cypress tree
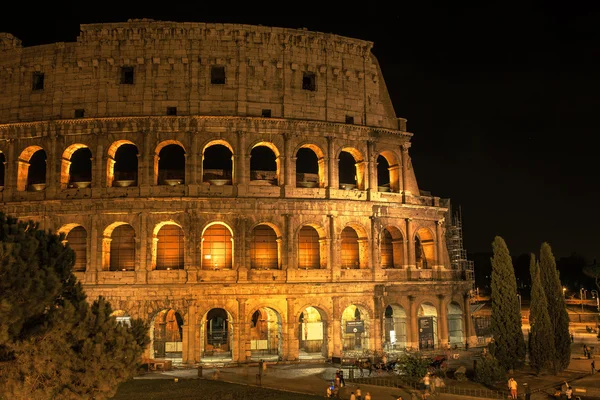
(508, 345)
(542, 336)
(557, 309)
(53, 345)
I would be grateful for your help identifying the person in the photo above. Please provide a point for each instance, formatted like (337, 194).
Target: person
(358, 393)
(593, 365)
(569, 392)
(397, 398)
(368, 396)
(342, 381)
(427, 382)
(352, 396)
(572, 338)
(328, 392)
(585, 350)
(512, 386)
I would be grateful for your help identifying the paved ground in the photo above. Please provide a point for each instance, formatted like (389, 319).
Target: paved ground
(314, 378)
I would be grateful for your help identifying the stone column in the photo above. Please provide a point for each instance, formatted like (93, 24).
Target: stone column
(405, 161)
(377, 322)
(439, 233)
(241, 161)
(288, 259)
(332, 180)
(99, 171)
(470, 335)
(410, 243)
(53, 162)
(144, 166)
(94, 262)
(11, 169)
(442, 322)
(243, 351)
(189, 336)
(414, 323)
(193, 160)
(287, 161)
(336, 323)
(141, 240)
(375, 259)
(333, 263)
(371, 170)
(292, 339)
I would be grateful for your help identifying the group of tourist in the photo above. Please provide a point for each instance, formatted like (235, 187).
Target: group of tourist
(333, 390)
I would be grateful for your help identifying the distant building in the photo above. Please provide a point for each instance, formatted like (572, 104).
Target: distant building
(248, 190)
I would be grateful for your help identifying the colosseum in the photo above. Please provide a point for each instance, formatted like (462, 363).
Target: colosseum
(247, 190)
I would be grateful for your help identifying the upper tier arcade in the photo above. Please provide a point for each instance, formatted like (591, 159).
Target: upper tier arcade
(154, 68)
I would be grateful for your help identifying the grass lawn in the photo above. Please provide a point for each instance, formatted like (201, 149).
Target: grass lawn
(200, 389)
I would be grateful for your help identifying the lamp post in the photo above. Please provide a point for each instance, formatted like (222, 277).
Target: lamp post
(594, 294)
(564, 292)
(519, 296)
(581, 297)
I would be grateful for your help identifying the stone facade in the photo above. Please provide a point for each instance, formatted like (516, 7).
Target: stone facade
(376, 261)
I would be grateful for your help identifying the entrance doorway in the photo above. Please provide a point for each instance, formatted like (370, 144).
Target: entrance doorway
(312, 334)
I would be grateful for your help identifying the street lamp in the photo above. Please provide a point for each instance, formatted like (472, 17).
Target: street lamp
(564, 291)
(581, 292)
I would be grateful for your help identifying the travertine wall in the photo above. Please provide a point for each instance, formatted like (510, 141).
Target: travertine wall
(264, 69)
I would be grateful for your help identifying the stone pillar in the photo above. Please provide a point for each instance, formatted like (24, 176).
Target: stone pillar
(11, 169)
(332, 180)
(287, 161)
(189, 336)
(375, 259)
(336, 323)
(53, 162)
(333, 263)
(405, 161)
(410, 243)
(288, 259)
(439, 234)
(378, 315)
(98, 172)
(141, 240)
(470, 335)
(94, 262)
(193, 160)
(371, 170)
(292, 339)
(144, 166)
(241, 161)
(414, 323)
(243, 351)
(442, 322)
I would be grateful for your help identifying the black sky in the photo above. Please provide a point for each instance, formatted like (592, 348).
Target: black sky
(502, 97)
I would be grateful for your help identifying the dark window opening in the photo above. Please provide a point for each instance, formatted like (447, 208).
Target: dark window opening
(309, 81)
(171, 110)
(79, 113)
(37, 81)
(127, 75)
(266, 113)
(349, 119)
(217, 75)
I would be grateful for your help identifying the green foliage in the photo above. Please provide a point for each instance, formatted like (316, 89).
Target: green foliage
(593, 271)
(53, 345)
(557, 309)
(509, 345)
(415, 366)
(542, 335)
(489, 371)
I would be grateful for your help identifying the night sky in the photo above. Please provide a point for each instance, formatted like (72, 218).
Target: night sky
(502, 98)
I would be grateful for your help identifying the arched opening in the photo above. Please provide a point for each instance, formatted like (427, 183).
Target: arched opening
(395, 328)
(26, 168)
(76, 167)
(264, 165)
(265, 334)
(122, 318)
(350, 249)
(217, 247)
(309, 254)
(218, 335)
(77, 240)
(170, 244)
(307, 168)
(37, 171)
(122, 168)
(169, 164)
(312, 334)
(355, 329)
(388, 172)
(456, 335)
(122, 248)
(351, 169)
(264, 248)
(167, 336)
(391, 248)
(2, 170)
(217, 164)
(424, 249)
(428, 329)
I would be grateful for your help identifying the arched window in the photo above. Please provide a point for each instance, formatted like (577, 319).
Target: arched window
(217, 164)
(122, 249)
(263, 248)
(126, 165)
(169, 249)
(77, 240)
(263, 165)
(308, 248)
(350, 253)
(217, 248)
(387, 250)
(171, 165)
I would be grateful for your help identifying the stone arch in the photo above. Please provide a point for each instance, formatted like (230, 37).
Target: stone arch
(427, 316)
(265, 246)
(121, 165)
(265, 163)
(125, 245)
(171, 170)
(456, 332)
(346, 169)
(355, 329)
(315, 168)
(166, 335)
(312, 332)
(168, 246)
(28, 167)
(216, 330)
(76, 237)
(312, 249)
(354, 246)
(395, 328)
(424, 248)
(391, 247)
(76, 166)
(266, 333)
(218, 165)
(217, 246)
(389, 171)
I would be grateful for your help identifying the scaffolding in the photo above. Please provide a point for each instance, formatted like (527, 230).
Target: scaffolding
(454, 243)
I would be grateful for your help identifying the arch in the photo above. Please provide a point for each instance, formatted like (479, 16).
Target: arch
(350, 249)
(266, 334)
(218, 162)
(31, 169)
(118, 247)
(394, 322)
(122, 164)
(77, 240)
(265, 163)
(217, 335)
(169, 163)
(168, 246)
(310, 166)
(388, 171)
(424, 248)
(217, 246)
(265, 248)
(355, 329)
(310, 249)
(428, 326)
(351, 169)
(456, 334)
(76, 166)
(312, 333)
(391, 247)
(166, 335)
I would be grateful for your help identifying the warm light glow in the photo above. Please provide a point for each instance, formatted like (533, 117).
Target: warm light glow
(207, 257)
